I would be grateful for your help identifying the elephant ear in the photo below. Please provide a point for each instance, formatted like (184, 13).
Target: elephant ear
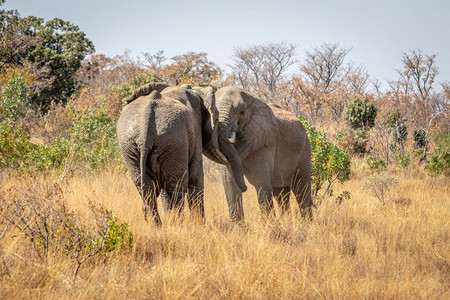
(258, 127)
(147, 89)
(208, 97)
(210, 125)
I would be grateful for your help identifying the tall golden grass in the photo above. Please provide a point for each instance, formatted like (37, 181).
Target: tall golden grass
(354, 248)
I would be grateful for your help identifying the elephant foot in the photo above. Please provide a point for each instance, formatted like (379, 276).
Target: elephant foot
(154, 216)
(306, 212)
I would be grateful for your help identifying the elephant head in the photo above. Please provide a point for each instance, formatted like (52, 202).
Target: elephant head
(246, 124)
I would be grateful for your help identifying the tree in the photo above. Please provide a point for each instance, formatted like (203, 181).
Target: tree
(14, 39)
(415, 90)
(261, 69)
(55, 50)
(190, 68)
(324, 79)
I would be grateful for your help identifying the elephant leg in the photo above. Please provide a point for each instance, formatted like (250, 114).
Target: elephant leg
(165, 199)
(195, 194)
(301, 187)
(258, 168)
(149, 190)
(282, 197)
(149, 196)
(233, 194)
(175, 192)
(195, 197)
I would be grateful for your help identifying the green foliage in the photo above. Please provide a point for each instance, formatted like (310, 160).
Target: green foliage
(62, 50)
(440, 159)
(344, 196)
(404, 160)
(330, 163)
(375, 163)
(54, 48)
(94, 139)
(52, 156)
(119, 236)
(91, 144)
(360, 113)
(14, 97)
(16, 150)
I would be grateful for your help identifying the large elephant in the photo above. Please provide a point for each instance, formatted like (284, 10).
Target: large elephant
(266, 144)
(162, 132)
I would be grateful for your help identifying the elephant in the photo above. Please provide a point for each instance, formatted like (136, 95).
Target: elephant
(162, 132)
(269, 146)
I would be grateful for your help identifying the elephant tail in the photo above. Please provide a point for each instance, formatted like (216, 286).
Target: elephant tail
(149, 175)
(147, 89)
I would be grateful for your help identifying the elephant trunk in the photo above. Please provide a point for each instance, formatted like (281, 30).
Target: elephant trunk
(213, 153)
(235, 163)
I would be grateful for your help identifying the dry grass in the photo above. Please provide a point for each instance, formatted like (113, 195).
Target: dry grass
(359, 248)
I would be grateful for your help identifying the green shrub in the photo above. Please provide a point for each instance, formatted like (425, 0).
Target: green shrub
(94, 140)
(330, 163)
(360, 113)
(404, 160)
(375, 163)
(16, 150)
(119, 236)
(52, 156)
(440, 159)
(14, 100)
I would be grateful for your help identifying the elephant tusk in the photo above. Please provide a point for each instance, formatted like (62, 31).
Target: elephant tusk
(232, 138)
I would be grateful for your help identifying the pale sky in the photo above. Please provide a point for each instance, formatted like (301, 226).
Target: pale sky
(378, 31)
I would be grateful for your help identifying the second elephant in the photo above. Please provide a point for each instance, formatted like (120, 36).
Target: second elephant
(269, 146)
(162, 132)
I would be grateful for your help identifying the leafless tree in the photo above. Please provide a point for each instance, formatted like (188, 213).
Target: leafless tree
(416, 89)
(155, 60)
(262, 68)
(325, 78)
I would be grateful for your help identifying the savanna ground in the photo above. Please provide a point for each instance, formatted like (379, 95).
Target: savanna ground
(356, 247)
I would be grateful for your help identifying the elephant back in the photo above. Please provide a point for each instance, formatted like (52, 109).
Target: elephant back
(291, 126)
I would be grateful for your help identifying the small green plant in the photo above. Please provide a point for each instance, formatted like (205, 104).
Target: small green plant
(344, 196)
(330, 163)
(119, 236)
(376, 164)
(404, 160)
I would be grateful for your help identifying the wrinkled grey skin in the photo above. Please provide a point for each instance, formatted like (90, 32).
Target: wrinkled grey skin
(269, 146)
(162, 132)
